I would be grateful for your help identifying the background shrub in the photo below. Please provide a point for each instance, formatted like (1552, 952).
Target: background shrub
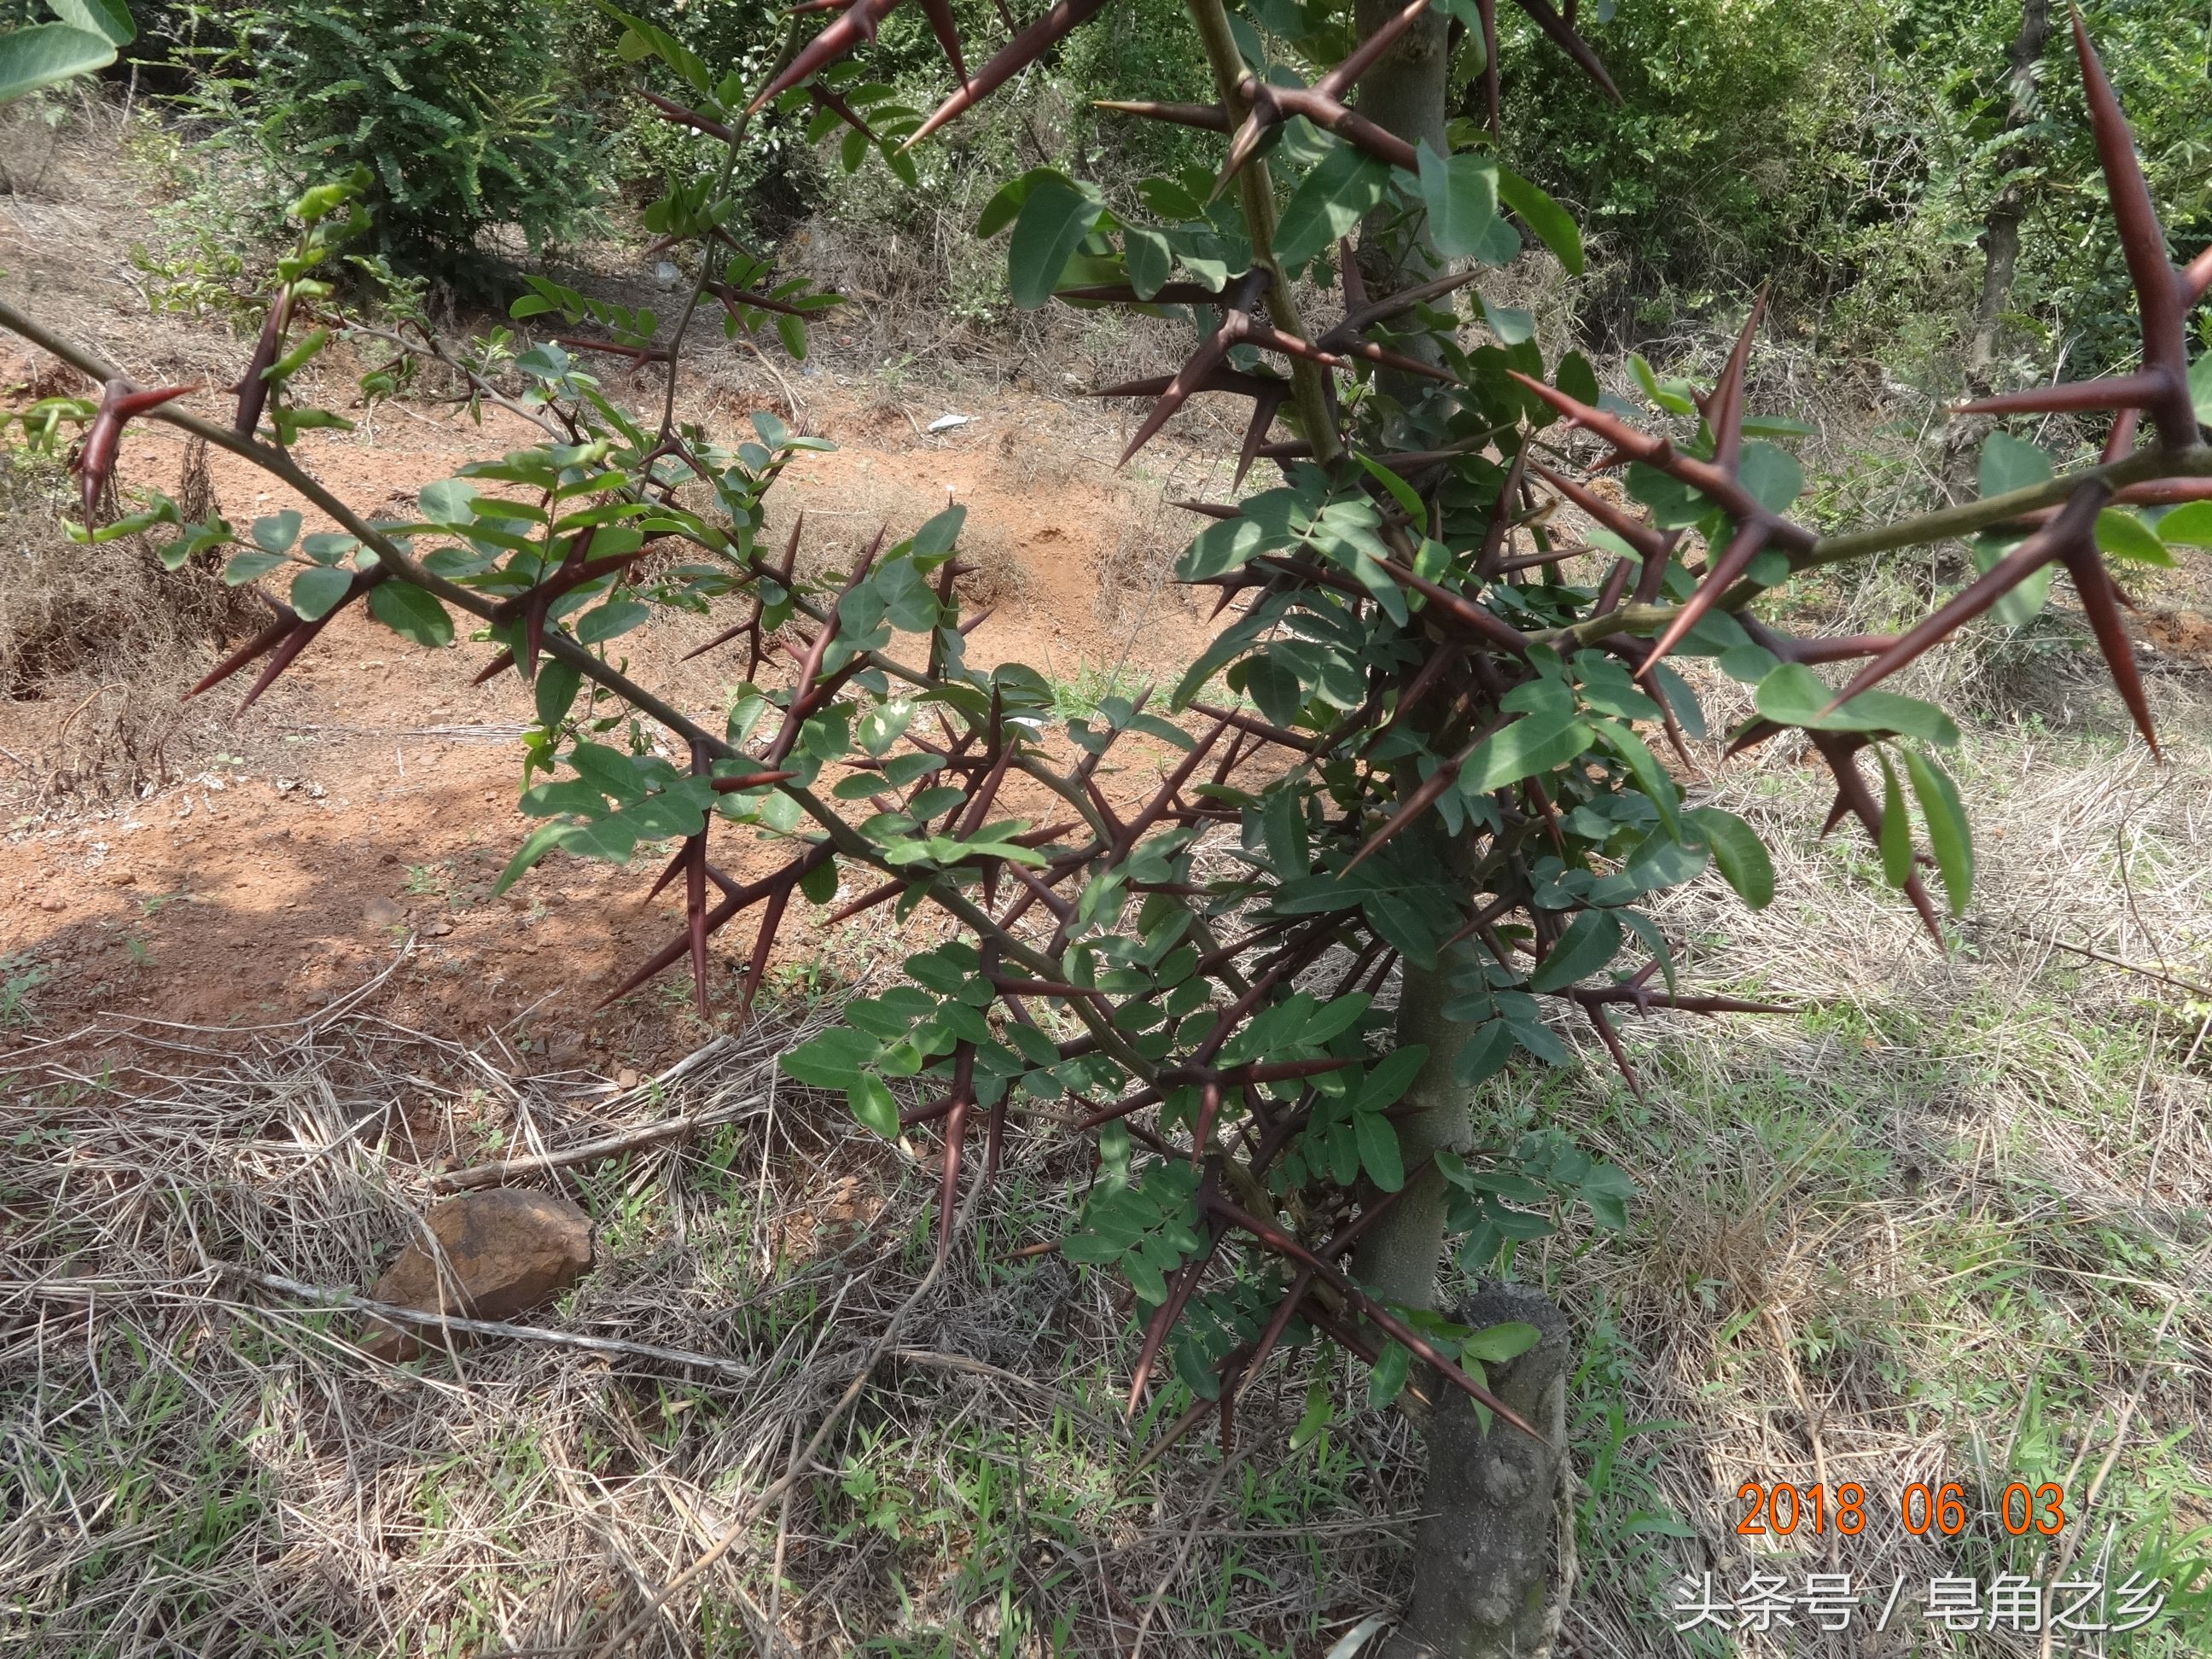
(460, 108)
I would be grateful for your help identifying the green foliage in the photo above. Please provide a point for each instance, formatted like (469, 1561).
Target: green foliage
(453, 105)
(1461, 778)
(2070, 294)
(84, 37)
(1738, 150)
(1852, 152)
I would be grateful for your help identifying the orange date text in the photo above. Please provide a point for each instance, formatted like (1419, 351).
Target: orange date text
(1776, 1509)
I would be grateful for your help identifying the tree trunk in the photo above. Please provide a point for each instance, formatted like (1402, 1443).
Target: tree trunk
(1497, 1534)
(1396, 1259)
(1404, 94)
(2001, 229)
(1484, 1558)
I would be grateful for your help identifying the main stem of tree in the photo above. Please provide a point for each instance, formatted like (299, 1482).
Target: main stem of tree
(1397, 1258)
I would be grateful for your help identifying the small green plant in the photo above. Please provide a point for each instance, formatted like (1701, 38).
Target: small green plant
(20, 977)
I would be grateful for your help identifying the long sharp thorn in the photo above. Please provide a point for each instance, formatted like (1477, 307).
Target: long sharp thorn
(288, 649)
(118, 406)
(1163, 1322)
(695, 914)
(1284, 1310)
(1501, 514)
(1264, 117)
(1645, 1000)
(843, 111)
(2197, 278)
(1749, 540)
(1346, 74)
(994, 1139)
(2073, 527)
(791, 549)
(1611, 1038)
(1915, 891)
(763, 942)
(683, 116)
(858, 24)
(2121, 438)
(1616, 585)
(669, 872)
(1209, 1108)
(2100, 603)
(533, 640)
(262, 643)
(2158, 286)
(1176, 393)
(2124, 391)
(1281, 1243)
(1724, 407)
(1211, 117)
(253, 385)
(948, 35)
(744, 780)
(1651, 543)
(1415, 804)
(1462, 611)
(1026, 48)
(1841, 752)
(492, 669)
(1255, 432)
(722, 638)
(1572, 43)
(669, 953)
(956, 1134)
(1355, 285)
(1364, 313)
(1386, 358)
(1270, 338)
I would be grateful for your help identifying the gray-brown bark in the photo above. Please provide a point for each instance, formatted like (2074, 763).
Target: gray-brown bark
(1404, 94)
(1488, 1552)
(2001, 229)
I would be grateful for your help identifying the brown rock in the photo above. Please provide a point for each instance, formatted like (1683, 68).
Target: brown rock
(382, 913)
(506, 1251)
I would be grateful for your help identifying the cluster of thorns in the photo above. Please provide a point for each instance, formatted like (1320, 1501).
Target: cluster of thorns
(1026, 917)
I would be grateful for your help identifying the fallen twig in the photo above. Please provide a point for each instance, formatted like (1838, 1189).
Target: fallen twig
(443, 1323)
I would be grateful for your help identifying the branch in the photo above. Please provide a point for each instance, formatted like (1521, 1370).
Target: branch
(1309, 386)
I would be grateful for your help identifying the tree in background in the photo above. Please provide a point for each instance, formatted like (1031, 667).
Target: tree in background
(1411, 808)
(1878, 163)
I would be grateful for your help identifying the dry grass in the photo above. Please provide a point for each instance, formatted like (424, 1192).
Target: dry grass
(98, 643)
(1948, 1224)
(199, 1462)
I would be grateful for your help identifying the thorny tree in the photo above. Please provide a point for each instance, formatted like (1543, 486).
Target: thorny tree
(1419, 754)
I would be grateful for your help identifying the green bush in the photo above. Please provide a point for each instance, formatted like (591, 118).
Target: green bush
(1043, 117)
(1851, 153)
(456, 106)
